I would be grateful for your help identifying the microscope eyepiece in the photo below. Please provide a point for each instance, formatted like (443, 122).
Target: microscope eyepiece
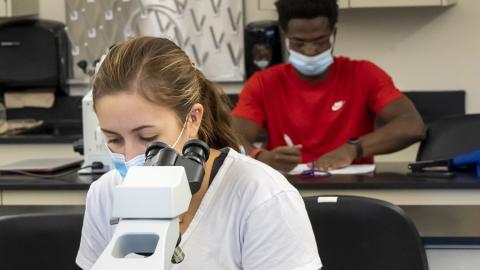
(197, 151)
(160, 154)
(153, 149)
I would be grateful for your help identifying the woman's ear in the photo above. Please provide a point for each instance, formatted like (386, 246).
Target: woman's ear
(196, 116)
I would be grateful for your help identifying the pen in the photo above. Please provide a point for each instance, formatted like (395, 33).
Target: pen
(287, 140)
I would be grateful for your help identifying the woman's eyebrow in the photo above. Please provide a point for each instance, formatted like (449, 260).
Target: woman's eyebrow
(108, 131)
(142, 127)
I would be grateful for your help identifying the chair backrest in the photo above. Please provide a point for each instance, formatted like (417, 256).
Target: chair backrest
(40, 241)
(451, 136)
(431, 104)
(364, 234)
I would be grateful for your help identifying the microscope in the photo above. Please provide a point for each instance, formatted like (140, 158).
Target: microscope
(94, 147)
(148, 204)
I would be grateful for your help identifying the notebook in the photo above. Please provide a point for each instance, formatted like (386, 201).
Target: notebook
(352, 169)
(42, 165)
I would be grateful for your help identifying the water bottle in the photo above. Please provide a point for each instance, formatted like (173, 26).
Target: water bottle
(3, 119)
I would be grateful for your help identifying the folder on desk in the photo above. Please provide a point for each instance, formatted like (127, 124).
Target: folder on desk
(41, 165)
(468, 161)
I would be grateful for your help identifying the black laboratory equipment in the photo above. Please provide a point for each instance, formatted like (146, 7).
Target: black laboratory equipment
(195, 153)
(36, 58)
(263, 47)
(34, 54)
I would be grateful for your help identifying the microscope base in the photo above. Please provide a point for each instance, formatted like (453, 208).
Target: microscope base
(141, 236)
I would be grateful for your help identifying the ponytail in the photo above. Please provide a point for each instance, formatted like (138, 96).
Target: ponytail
(216, 128)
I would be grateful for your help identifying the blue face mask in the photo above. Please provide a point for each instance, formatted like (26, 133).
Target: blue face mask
(122, 166)
(311, 65)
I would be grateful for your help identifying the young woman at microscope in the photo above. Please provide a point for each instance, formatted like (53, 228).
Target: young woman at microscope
(245, 215)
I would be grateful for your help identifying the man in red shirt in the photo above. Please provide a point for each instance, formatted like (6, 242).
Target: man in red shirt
(326, 106)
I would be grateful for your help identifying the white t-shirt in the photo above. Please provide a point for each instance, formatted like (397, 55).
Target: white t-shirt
(251, 217)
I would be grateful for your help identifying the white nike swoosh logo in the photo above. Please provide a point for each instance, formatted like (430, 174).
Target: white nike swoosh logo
(338, 105)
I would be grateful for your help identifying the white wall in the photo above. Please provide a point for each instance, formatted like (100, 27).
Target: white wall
(52, 9)
(422, 48)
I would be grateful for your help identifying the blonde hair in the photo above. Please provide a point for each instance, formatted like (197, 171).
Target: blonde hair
(162, 73)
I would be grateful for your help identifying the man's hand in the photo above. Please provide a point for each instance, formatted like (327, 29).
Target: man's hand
(336, 159)
(283, 158)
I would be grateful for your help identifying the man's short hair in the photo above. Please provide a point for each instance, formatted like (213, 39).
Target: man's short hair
(306, 9)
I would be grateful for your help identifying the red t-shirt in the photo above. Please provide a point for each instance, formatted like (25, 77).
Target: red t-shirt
(322, 115)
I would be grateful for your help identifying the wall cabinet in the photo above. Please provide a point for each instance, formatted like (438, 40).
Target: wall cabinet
(270, 4)
(9, 8)
(399, 3)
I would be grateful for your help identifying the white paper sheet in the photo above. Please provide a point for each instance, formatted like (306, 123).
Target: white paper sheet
(352, 169)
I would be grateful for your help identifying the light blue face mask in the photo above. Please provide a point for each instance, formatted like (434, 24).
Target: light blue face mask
(311, 65)
(261, 64)
(122, 166)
